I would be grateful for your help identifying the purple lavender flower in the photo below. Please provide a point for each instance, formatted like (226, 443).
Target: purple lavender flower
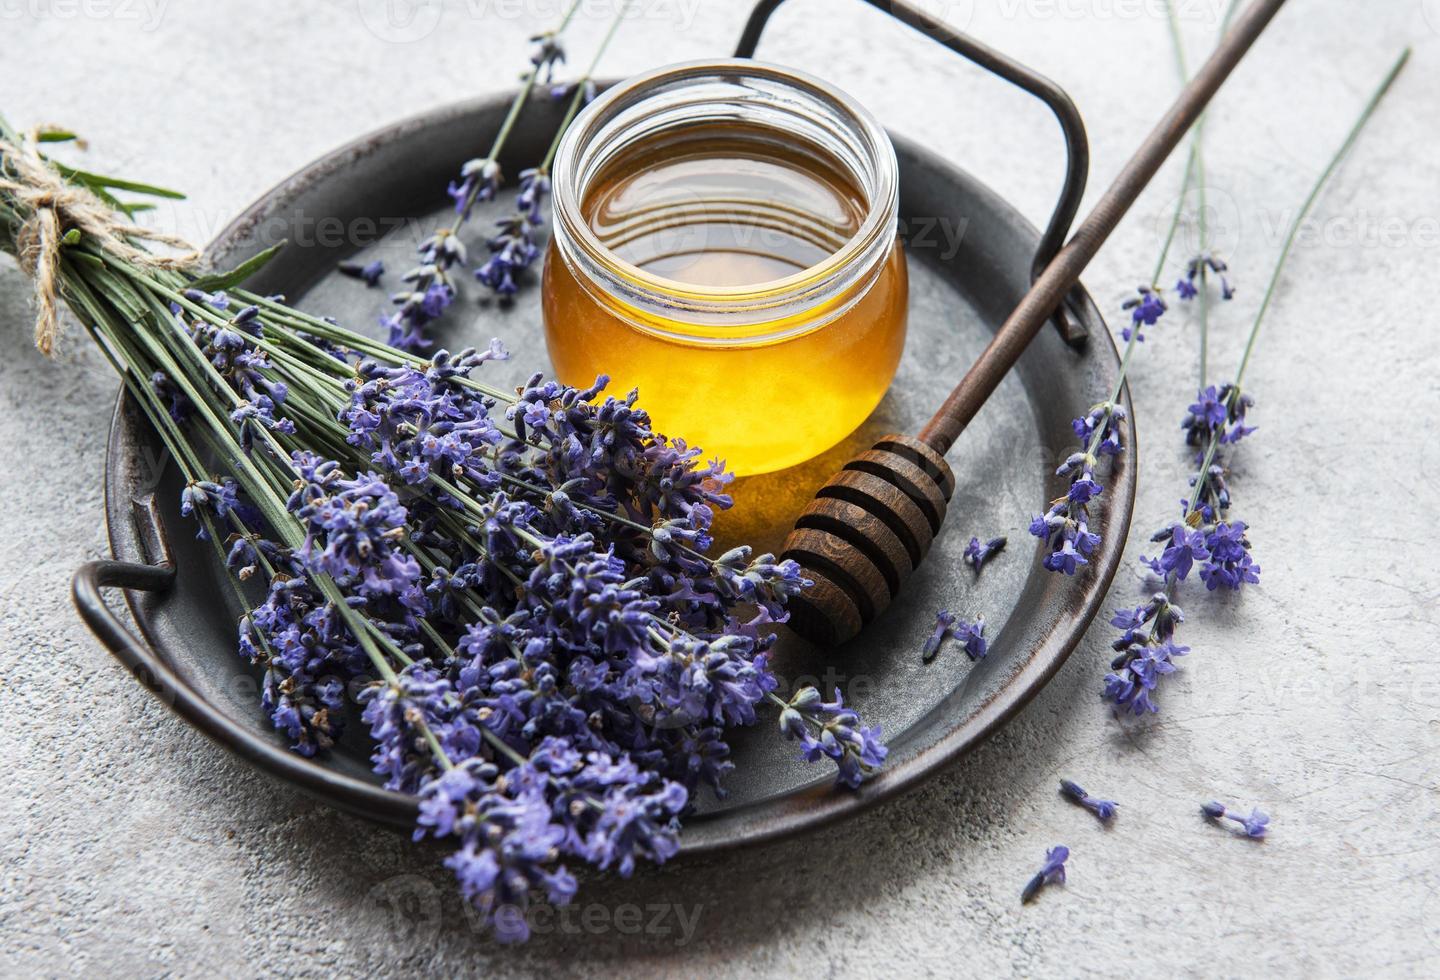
(479, 181)
(1186, 547)
(534, 187)
(512, 251)
(977, 554)
(1104, 810)
(1145, 656)
(369, 272)
(970, 635)
(838, 735)
(943, 621)
(1254, 825)
(1065, 527)
(1230, 564)
(1200, 267)
(548, 54)
(1051, 873)
(1146, 308)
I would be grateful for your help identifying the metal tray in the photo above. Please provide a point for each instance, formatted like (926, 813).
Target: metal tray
(971, 257)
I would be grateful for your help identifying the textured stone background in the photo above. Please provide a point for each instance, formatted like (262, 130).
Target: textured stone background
(134, 847)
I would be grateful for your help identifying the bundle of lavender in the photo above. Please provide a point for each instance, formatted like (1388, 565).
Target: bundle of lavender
(522, 576)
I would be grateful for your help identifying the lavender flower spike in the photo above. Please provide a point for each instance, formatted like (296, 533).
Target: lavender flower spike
(1104, 810)
(1254, 825)
(1053, 873)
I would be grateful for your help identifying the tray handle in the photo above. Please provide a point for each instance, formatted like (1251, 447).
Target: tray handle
(92, 577)
(1072, 127)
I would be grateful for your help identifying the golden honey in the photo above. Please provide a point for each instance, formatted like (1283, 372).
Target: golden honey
(740, 268)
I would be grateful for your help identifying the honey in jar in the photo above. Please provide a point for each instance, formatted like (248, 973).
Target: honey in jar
(725, 241)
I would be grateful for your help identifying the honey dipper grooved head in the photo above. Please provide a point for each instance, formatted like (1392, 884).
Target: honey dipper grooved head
(867, 529)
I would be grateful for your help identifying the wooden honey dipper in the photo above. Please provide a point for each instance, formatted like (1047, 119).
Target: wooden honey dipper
(872, 524)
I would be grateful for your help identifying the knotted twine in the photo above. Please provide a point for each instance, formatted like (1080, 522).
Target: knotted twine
(56, 205)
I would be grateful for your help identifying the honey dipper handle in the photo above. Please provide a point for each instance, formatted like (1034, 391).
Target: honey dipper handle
(1064, 270)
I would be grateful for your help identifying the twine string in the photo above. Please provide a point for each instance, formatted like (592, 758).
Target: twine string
(56, 205)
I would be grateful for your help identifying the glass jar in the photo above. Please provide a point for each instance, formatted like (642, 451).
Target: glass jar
(725, 241)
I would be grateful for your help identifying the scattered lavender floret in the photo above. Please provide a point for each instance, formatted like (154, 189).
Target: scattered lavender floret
(947, 625)
(977, 554)
(1253, 826)
(1052, 873)
(369, 272)
(944, 619)
(1104, 810)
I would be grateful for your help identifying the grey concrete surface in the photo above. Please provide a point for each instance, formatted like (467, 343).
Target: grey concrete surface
(133, 847)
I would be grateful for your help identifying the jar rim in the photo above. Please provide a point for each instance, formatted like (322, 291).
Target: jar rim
(755, 304)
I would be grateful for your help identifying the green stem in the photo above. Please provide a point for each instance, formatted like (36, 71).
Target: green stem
(527, 85)
(579, 94)
(1369, 110)
(1310, 200)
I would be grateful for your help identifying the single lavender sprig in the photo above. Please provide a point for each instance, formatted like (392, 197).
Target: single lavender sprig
(1104, 810)
(431, 287)
(1051, 873)
(1206, 536)
(977, 554)
(1253, 826)
(513, 248)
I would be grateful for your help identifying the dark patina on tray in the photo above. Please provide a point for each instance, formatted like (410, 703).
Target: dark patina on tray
(971, 260)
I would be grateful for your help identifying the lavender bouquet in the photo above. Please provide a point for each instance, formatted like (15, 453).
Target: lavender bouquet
(520, 582)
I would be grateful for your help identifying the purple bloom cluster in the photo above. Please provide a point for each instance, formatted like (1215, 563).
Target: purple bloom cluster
(970, 635)
(512, 249)
(1147, 652)
(521, 597)
(428, 291)
(1199, 268)
(1221, 550)
(1065, 527)
(1205, 536)
(1146, 308)
(828, 729)
(547, 55)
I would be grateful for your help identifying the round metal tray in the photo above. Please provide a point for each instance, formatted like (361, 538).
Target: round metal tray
(970, 257)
